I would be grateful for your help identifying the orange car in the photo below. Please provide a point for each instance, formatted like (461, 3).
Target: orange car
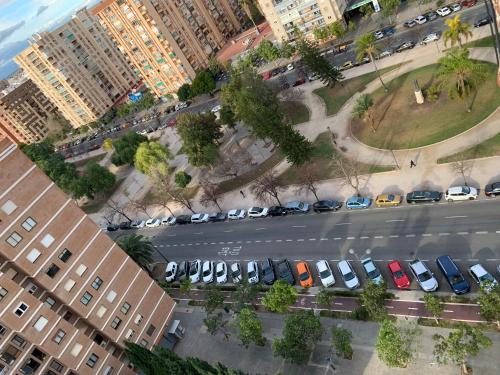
(305, 275)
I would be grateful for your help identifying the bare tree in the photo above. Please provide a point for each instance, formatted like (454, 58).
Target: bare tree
(267, 187)
(308, 181)
(117, 208)
(139, 205)
(109, 215)
(163, 200)
(231, 166)
(462, 168)
(349, 169)
(210, 195)
(162, 180)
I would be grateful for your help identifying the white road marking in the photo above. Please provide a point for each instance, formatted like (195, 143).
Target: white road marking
(350, 238)
(298, 226)
(448, 311)
(378, 237)
(260, 229)
(268, 240)
(455, 217)
(410, 235)
(296, 260)
(212, 243)
(279, 240)
(288, 240)
(300, 240)
(492, 260)
(323, 239)
(171, 235)
(389, 307)
(498, 231)
(338, 303)
(248, 241)
(228, 231)
(378, 260)
(312, 239)
(482, 232)
(394, 220)
(221, 243)
(363, 237)
(444, 234)
(427, 235)
(337, 238)
(257, 241)
(230, 242)
(198, 233)
(343, 224)
(412, 308)
(394, 236)
(159, 246)
(457, 259)
(462, 233)
(474, 260)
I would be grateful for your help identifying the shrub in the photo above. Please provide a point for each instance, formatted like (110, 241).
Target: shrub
(432, 93)
(182, 179)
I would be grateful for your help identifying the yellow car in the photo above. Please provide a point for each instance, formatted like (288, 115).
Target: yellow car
(388, 200)
(346, 65)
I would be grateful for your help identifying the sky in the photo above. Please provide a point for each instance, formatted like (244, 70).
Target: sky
(20, 19)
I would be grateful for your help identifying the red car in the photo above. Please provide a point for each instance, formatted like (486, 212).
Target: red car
(399, 276)
(468, 3)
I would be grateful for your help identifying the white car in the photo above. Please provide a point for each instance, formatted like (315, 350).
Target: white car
(325, 273)
(199, 218)
(289, 66)
(385, 53)
(430, 38)
(312, 77)
(168, 220)
(195, 270)
(425, 278)
(138, 224)
(216, 109)
(208, 271)
(253, 272)
(351, 281)
(421, 20)
(444, 11)
(236, 273)
(460, 193)
(152, 223)
(221, 273)
(455, 7)
(236, 214)
(482, 277)
(258, 211)
(181, 105)
(378, 34)
(170, 271)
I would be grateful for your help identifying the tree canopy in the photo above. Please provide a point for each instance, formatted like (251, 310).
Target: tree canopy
(394, 346)
(185, 92)
(280, 296)
(372, 298)
(126, 147)
(249, 328)
(139, 248)
(203, 83)
(150, 154)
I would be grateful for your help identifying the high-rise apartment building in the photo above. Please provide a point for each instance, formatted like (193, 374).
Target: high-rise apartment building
(306, 15)
(69, 296)
(7, 130)
(168, 41)
(29, 112)
(79, 68)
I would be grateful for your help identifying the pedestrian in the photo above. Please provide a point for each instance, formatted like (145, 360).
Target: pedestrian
(412, 164)
(242, 193)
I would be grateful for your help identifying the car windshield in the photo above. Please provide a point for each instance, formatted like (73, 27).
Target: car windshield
(236, 273)
(266, 270)
(424, 276)
(169, 273)
(237, 212)
(324, 274)
(257, 209)
(486, 277)
(360, 200)
(194, 269)
(301, 205)
(206, 272)
(304, 276)
(221, 272)
(251, 274)
(390, 197)
(374, 274)
(466, 189)
(398, 274)
(456, 279)
(348, 276)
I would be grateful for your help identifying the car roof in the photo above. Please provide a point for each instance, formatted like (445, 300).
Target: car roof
(418, 266)
(455, 189)
(292, 204)
(395, 265)
(344, 266)
(322, 265)
(302, 267)
(478, 270)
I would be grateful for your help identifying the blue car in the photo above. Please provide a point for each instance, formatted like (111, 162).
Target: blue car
(453, 275)
(358, 202)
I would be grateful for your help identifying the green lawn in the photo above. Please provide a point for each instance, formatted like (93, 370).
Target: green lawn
(296, 112)
(322, 165)
(335, 97)
(96, 204)
(401, 123)
(483, 42)
(491, 147)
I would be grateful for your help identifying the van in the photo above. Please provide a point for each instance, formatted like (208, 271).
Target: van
(453, 275)
(297, 207)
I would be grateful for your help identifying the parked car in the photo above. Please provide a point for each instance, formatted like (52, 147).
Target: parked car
(460, 193)
(304, 275)
(385, 53)
(468, 3)
(253, 272)
(325, 273)
(216, 109)
(455, 7)
(453, 275)
(482, 277)
(297, 207)
(168, 220)
(423, 275)
(378, 34)
(195, 271)
(217, 216)
(221, 272)
(431, 16)
(170, 271)
(399, 276)
(153, 223)
(138, 224)
(112, 227)
(268, 275)
(326, 205)
(492, 190)
(346, 65)
(388, 200)
(277, 211)
(254, 212)
(199, 218)
(420, 20)
(372, 271)
(410, 23)
(236, 274)
(482, 21)
(444, 11)
(182, 271)
(299, 82)
(181, 105)
(432, 37)
(124, 225)
(355, 202)
(405, 46)
(351, 281)
(312, 77)
(183, 219)
(290, 67)
(285, 271)
(423, 196)
(236, 214)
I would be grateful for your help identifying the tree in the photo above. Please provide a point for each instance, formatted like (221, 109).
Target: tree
(268, 51)
(295, 146)
(249, 328)
(394, 345)
(365, 45)
(166, 191)
(182, 179)
(117, 208)
(199, 134)
(210, 195)
(489, 304)
(337, 29)
(324, 298)
(226, 117)
(372, 298)
(267, 187)
(279, 297)
(462, 168)
(185, 286)
(95, 179)
(214, 66)
(139, 248)
(434, 306)
(214, 299)
(244, 295)
(203, 83)
(301, 332)
(308, 179)
(367, 10)
(389, 8)
(185, 92)
(287, 50)
(126, 147)
(107, 144)
(363, 109)
(215, 323)
(139, 205)
(461, 343)
(150, 154)
(124, 110)
(322, 33)
(341, 341)
(349, 170)
(456, 30)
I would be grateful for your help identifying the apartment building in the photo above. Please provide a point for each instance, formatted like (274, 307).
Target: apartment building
(79, 68)
(168, 41)
(7, 130)
(29, 113)
(306, 15)
(69, 296)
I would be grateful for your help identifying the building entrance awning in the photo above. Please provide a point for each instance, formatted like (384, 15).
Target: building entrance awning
(357, 4)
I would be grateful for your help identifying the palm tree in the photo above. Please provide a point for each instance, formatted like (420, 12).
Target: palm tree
(366, 46)
(456, 29)
(363, 109)
(138, 248)
(245, 4)
(462, 74)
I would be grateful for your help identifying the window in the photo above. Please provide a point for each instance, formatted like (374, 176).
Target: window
(144, 343)
(3, 292)
(33, 255)
(65, 255)
(31, 288)
(41, 323)
(47, 240)
(54, 365)
(96, 284)
(138, 319)
(125, 308)
(21, 309)
(2, 330)
(9, 207)
(77, 348)
(130, 334)
(111, 296)
(58, 337)
(101, 311)
(92, 360)
(116, 322)
(86, 298)
(108, 371)
(52, 270)
(14, 239)
(69, 285)
(49, 301)
(18, 341)
(81, 269)
(151, 330)
(29, 224)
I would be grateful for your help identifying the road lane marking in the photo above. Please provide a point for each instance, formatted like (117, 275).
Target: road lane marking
(260, 229)
(288, 240)
(389, 307)
(268, 240)
(427, 235)
(257, 241)
(455, 217)
(198, 233)
(171, 235)
(159, 246)
(462, 233)
(412, 308)
(221, 243)
(338, 303)
(296, 260)
(343, 224)
(323, 239)
(279, 240)
(492, 260)
(482, 232)
(378, 237)
(248, 241)
(457, 259)
(498, 231)
(394, 220)
(300, 240)
(410, 235)
(350, 238)
(448, 311)
(337, 238)
(474, 260)
(298, 226)
(394, 236)
(312, 239)
(363, 237)
(228, 231)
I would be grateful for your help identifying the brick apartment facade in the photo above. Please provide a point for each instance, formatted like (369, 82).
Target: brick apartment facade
(69, 296)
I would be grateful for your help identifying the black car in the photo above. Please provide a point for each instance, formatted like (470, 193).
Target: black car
(326, 205)
(182, 270)
(431, 16)
(125, 225)
(112, 227)
(183, 219)
(217, 216)
(277, 211)
(405, 46)
(285, 271)
(482, 22)
(423, 196)
(268, 276)
(492, 190)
